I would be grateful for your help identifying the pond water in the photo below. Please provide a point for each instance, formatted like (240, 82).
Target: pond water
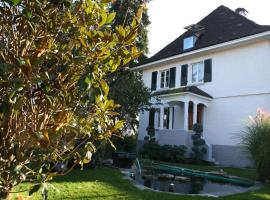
(193, 186)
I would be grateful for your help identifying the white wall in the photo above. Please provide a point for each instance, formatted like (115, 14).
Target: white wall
(225, 118)
(179, 117)
(240, 84)
(241, 70)
(143, 124)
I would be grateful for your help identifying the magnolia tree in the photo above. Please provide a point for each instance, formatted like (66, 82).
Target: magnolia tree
(54, 57)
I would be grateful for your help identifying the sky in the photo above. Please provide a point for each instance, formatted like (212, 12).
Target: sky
(169, 17)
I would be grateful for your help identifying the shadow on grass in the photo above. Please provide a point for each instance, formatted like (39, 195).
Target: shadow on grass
(90, 174)
(117, 188)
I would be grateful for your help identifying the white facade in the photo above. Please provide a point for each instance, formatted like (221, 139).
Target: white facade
(239, 86)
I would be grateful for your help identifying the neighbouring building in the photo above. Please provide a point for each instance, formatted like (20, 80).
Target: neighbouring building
(217, 74)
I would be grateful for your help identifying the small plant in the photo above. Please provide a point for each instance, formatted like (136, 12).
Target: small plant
(257, 141)
(151, 134)
(151, 131)
(198, 149)
(169, 153)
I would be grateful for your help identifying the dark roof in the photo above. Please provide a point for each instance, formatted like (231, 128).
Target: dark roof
(221, 25)
(191, 89)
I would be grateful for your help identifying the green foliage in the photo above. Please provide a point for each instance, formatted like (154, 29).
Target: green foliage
(168, 153)
(34, 189)
(128, 90)
(198, 149)
(197, 128)
(55, 57)
(126, 11)
(127, 87)
(257, 141)
(126, 143)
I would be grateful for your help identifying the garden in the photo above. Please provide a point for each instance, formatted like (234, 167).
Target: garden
(99, 182)
(68, 97)
(107, 183)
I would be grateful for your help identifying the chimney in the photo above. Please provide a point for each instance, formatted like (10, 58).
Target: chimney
(241, 11)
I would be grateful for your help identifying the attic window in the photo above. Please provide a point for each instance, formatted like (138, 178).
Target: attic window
(189, 42)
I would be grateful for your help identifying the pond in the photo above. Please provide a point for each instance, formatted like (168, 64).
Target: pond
(190, 185)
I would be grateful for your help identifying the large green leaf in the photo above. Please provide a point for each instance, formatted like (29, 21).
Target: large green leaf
(34, 189)
(110, 18)
(16, 2)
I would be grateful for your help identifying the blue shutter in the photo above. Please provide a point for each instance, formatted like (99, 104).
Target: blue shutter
(208, 70)
(172, 77)
(184, 75)
(154, 81)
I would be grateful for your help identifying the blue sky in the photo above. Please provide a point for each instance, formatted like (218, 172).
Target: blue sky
(169, 17)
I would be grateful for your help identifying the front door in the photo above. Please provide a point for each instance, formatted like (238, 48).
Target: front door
(190, 115)
(200, 114)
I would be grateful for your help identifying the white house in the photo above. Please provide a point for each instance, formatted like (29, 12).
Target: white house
(217, 74)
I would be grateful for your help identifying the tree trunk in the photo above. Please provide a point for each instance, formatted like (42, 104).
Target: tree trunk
(4, 194)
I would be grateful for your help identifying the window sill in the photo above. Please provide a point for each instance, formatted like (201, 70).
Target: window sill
(196, 84)
(162, 89)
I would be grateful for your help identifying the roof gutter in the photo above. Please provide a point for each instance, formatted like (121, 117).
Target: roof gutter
(232, 43)
(184, 93)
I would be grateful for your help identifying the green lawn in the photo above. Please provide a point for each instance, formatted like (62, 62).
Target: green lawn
(106, 183)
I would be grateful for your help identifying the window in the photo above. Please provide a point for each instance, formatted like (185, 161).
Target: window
(164, 79)
(166, 118)
(189, 42)
(197, 72)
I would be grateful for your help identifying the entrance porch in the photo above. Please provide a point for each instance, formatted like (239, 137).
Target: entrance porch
(173, 119)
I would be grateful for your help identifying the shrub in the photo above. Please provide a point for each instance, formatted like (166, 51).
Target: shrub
(198, 149)
(168, 153)
(257, 141)
(127, 143)
(197, 128)
(151, 131)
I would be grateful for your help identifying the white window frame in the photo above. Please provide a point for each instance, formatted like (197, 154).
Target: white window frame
(166, 81)
(166, 118)
(196, 66)
(189, 42)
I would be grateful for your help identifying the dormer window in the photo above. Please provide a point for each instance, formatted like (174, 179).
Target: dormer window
(189, 42)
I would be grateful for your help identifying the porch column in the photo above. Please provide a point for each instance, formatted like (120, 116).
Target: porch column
(161, 117)
(171, 119)
(195, 105)
(186, 115)
(156, 120)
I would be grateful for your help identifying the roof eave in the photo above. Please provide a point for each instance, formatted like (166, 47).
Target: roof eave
(202, 51)
(184, 93)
